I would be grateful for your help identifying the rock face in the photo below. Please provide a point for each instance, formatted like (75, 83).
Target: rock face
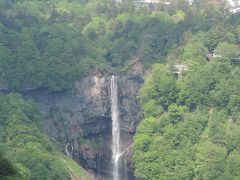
(82, 117)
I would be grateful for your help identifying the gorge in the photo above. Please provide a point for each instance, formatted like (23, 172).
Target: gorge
(83, 118)
(119, 90)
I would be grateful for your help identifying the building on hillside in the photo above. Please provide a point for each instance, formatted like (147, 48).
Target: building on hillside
(151, 2)
(233, 3)
(216, 54)
(233, 6)
(209, 56)
(190, 1)
(212, 55)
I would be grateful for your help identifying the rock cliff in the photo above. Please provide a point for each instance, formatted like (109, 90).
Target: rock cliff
(82, 117)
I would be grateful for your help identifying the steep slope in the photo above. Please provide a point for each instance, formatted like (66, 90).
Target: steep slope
(28, 148)
(191, 125)
(82, 117)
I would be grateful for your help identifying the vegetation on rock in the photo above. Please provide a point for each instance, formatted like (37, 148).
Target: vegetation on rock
(191, 125)
(27, 147)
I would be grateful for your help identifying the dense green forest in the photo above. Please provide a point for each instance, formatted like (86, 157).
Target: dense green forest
(191, 125)
(52, 43)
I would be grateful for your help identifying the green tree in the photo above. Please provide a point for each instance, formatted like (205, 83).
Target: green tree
(159, 86)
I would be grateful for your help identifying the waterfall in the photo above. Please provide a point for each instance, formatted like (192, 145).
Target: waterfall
(69, 150)
(115, 128)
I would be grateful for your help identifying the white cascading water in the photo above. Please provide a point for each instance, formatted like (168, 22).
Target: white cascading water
(115, 128)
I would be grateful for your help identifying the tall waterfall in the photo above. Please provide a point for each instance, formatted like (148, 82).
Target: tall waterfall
(115, 128)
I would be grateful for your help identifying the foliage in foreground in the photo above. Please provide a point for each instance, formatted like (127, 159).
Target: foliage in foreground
(29, 149)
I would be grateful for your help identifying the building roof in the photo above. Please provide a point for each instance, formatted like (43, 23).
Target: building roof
(233, 3)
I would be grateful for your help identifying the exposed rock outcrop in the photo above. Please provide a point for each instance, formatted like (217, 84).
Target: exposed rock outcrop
(82, 117)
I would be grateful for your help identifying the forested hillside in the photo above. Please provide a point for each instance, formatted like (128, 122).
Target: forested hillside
(52, 43)
(32, 153)
(191, 119)
(191, 126)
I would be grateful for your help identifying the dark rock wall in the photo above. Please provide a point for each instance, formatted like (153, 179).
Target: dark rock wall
(82, 117)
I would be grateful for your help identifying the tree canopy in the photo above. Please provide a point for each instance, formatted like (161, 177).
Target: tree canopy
(191, 122)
